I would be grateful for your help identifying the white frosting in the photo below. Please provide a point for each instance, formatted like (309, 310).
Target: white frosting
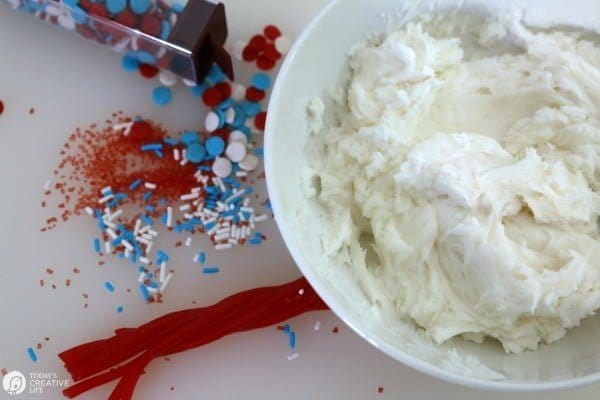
(462, 187)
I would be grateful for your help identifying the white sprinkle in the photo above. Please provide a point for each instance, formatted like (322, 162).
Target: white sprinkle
(167, 78)
(150, 185)
(151, 289)
(249, 163)
(184, 161)
(223, 246)
(152, 232)
(184, 207)
(221, 237)
(47, 185)
(233, 241)
(144, 260)
(105, 199)
(293, 356)
(107, 247)
(126, 128)
(212, 121)
(188, 242)
(144, 229)
(236, 151)
(165, 283)
(163, 271)
(195, 259)
(241, 174)
(138, 225)
(197, 189)
(106, 190)
(143, 240)
(246, 202)
(261, 218)
(317, 325)
(169, 216)
(224, 230)
(89, 211)
(188, 216)
(221, 185)
(142, 277)
(110, 224)
(283, 44)
(114, 215)
(112, 233)
(189, 82)
(176, 155)
(247, 209)
(189, 196)
(127, 245)
(301, 292)
(127, 253)
(149, 247)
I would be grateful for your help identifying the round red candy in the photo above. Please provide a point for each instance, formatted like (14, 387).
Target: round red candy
(260, 121)
(271, 52)
(225, 89)
(264, 63)
(127, 18)
(151, 25)
(258, 41)
(1, 107)
(85, 31)
(212, 97)
(250, 53)
(148, 71)
(140, 130)
(254, 94)
(272, 32)
(99, 10)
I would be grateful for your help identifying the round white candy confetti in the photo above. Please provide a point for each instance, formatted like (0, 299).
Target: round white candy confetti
(212, 122)
(236, 151)
(237, 136)
(238, 92)
(167, 78)
(238, 50)
(283, 44)
(249, 163)
(221, 167)
(66, 21)
(189, 82)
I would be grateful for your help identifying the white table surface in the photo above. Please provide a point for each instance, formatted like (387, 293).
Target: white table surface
(72, 83)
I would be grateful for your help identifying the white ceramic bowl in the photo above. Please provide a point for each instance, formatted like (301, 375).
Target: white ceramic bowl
(312, 68)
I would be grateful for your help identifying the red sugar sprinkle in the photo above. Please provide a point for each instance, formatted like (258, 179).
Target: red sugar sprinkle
(264, 63)
(335, 329)
(1, 107)
(250, 53)
(260, 120)
(212, 97)
(4, 371)
(254, 94)
(272, 32)
(380, 389)
(50, 271)
(148, 71)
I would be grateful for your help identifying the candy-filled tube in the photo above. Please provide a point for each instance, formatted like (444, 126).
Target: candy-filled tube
(183, 36)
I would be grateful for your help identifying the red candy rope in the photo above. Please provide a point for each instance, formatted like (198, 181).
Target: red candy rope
(96, 363)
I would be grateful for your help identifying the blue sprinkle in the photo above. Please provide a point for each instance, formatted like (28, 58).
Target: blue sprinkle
(163, 219)
(190, 137)
(149, 276)
(225, 104)
(202, 257)
(141, 268)
(215, 145)
(139, 6)
(144, 291)
(210, 270)
(162, 255)
(286, 329)
(146, 219)
(109, 286)
(147, 196)
(117, 241)
(153, 285)
(267, 204)
(177, 7)
(165, 30)
(292, 340)
(209, 226)
(97, 245)
(255, 242)
(31, 354)
(199, 90)
(204, 168)
(115, 6)
(252, 109)
(150, 208)
(120, 309)
(162, 202)
(215, 75)
(136, 184)
(151, 146)
(162, 95)
(195, 152)
(129, 63)
(159, 153)
(70, 3)
(120, 196)
(133, 258)
(261, 81)
(171, 141)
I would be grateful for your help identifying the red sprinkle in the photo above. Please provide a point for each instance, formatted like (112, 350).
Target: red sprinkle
(1, 107)
(272, 32)
(380, 389)
(212, 97)
(254, 94)
(335, 329)
(148, 71)
(250, 53)
(260, 121)
(264, 63)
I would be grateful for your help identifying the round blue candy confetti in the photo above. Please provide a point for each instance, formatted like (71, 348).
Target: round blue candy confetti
(115, 6)
(261, 81)
(143, 57)
(162, 95)
(215, 146)
(198, 90)
(189, 138)
(195, 152)
(70, 3)
(129, 63)
(139, 6)
(251, 108)
(79, 15)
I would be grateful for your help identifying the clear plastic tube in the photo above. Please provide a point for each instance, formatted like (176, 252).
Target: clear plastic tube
(184, 36)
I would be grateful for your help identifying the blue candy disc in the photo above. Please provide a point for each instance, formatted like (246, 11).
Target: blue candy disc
(189, 138)
(139, 6)
(261, 81)
(115, 6)
(129, 63)
(195, 152)
(162, 95)
(215, 146)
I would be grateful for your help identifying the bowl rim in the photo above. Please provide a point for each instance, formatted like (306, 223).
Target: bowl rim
(285, 229)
